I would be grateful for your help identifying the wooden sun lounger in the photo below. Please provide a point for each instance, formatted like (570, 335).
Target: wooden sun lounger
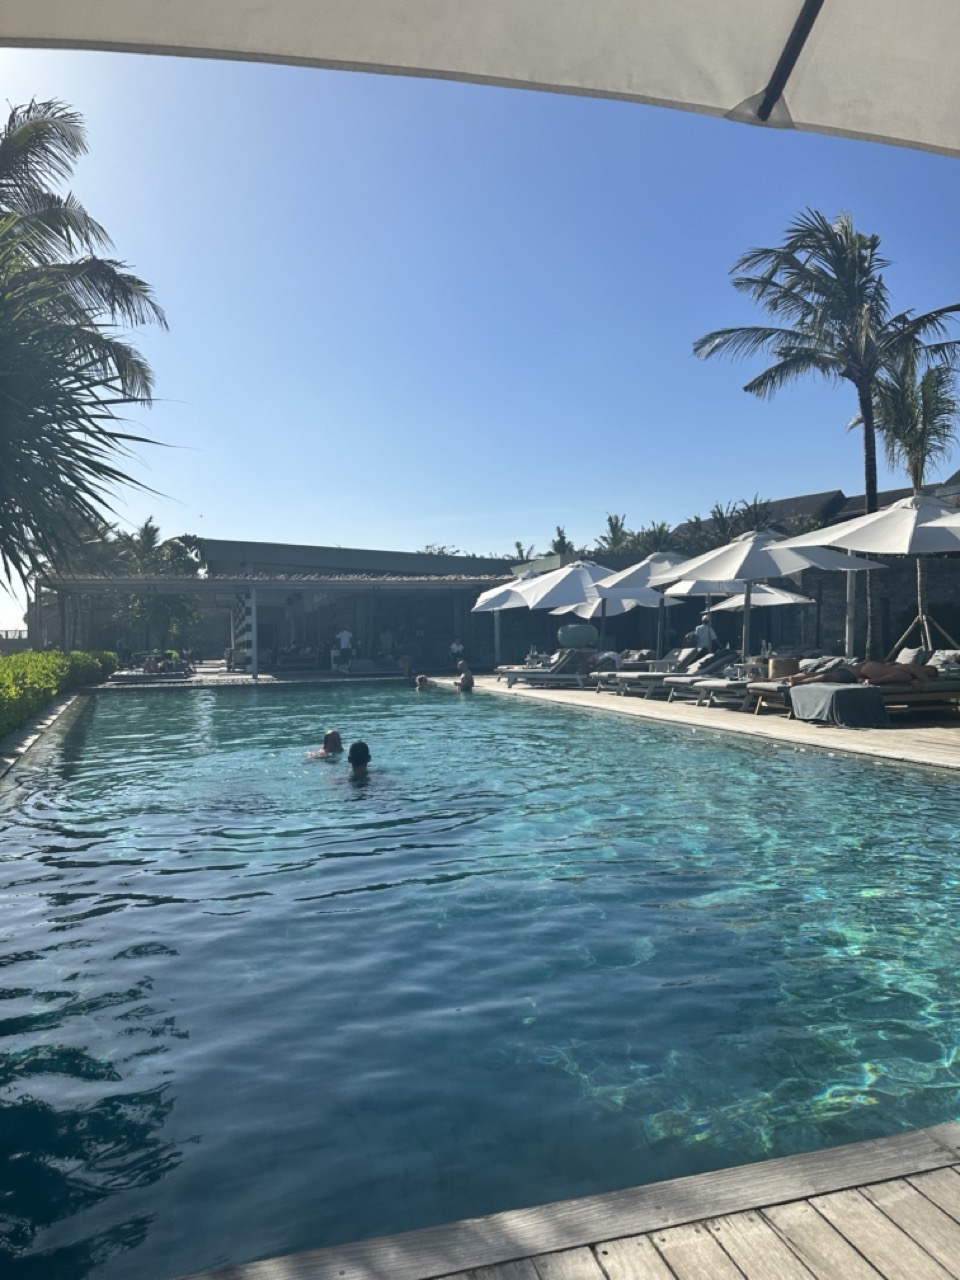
(935, 694)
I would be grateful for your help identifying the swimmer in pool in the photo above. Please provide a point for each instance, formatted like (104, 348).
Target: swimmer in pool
(332, 747)
(424, 684)
(358, 757)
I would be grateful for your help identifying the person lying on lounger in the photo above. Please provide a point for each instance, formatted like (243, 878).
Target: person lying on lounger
(878, 673)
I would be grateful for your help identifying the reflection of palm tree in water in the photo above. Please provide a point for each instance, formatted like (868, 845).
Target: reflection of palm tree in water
(57, 1161)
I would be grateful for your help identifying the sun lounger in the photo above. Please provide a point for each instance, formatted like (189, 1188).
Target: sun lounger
(933, 695)
(570, 669)
(679, 683)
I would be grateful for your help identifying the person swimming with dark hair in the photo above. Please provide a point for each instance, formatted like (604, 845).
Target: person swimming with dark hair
(332, 747)
(424, 684)
(358, 757)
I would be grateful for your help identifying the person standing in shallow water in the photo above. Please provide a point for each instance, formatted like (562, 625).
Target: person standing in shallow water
(358, 757)
(465, 682)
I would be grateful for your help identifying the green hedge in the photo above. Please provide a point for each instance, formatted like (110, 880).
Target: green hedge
(28, 681)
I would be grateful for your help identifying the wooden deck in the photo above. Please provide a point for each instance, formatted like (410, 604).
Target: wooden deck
(919, 738)
(882, 1210)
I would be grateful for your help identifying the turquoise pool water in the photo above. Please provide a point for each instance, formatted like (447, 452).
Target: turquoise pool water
(249, 1007)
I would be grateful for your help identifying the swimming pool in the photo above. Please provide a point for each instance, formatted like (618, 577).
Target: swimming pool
(250, 1007)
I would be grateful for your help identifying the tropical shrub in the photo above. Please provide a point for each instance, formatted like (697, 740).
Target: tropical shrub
(29, 681)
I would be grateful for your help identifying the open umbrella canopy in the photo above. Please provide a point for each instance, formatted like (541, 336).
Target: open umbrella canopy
(886, 70)
(761, 597)
(610, 606)
(502, 597)
(755, 556)
(704, 587)
(598, 608)
(919, 525)
(618, 585)
(573, 584)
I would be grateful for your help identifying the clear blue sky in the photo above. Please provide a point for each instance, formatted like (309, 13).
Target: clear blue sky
(408, 311)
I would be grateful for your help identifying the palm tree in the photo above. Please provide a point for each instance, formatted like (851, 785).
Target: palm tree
(917, 418)
(655, 536)
(65, 367)
(560, 544)
(825, 286)
(618, 538)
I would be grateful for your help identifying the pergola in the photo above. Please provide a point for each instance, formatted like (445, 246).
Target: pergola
(244, 594)
(884, 70)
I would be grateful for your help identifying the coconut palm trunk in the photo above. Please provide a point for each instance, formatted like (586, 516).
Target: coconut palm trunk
(865, 398)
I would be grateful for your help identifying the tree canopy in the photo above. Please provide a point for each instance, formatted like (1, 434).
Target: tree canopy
(67, 368)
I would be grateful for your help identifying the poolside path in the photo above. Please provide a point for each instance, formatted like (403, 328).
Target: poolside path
(922, 739)
(882, 1210)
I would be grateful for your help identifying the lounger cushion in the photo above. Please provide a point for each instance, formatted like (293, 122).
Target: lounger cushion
(913, 655)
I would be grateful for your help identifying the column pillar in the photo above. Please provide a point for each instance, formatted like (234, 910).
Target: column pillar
(254, 654)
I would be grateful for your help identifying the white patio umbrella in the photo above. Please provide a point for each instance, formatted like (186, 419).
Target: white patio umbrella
(609, 606)
(878, 69)
(755, 556)
(705, 587)
(502, 597)
(572, 584)
(598, 608)
(761, 597)
(919, 525)
(637, 575)
(623, 585)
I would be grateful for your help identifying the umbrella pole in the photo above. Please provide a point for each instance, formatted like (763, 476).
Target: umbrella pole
(746, 623)
(848, 629)
(661, 617)
(603, 620)
(496, 637)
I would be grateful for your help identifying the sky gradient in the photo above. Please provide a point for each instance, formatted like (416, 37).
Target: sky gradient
(409, 311)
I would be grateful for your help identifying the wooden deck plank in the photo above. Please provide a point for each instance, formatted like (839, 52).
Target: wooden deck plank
(574, 1264)
(934, 1230)
(570, 1224)
(826, 1253)
(894, 1254)
(521, 1269)
(756, 1248)
(942, 1186)
(632, 1259)
(692, 1253)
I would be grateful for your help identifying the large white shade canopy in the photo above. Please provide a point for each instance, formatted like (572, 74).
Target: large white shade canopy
(618, 585)
(609, 606)
(704, 587)
(761, 597)
(754, 556)
(598, 608)
(571, 585)
(887, 70)
(919, 525)
(504, 597)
